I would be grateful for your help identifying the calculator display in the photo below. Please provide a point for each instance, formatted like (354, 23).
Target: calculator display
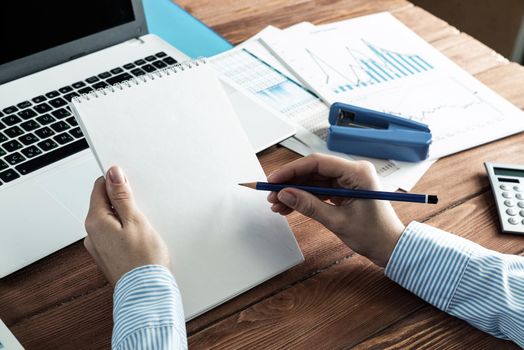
(509, 172)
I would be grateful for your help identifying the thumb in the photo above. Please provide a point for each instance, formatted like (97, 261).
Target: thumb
(120, 195)
(307, 204)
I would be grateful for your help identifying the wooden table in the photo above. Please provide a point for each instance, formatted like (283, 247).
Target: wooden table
(336, 298)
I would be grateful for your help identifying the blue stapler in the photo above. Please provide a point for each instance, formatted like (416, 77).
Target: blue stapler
(364, 132)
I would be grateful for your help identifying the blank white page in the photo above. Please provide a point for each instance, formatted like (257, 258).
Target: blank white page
(184, 152)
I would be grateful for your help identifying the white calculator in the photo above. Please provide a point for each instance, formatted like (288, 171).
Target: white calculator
(507, 183)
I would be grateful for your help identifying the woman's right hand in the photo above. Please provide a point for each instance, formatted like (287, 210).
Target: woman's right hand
(369, 227)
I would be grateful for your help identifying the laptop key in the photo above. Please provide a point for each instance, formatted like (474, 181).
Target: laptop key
(29, 125)
(140, 62)
(150, 58)
(47, 145)
(148, 68)
(52, 94)
(28, 139)
(11, 146)
(43, 108)
(100, 85)
(65, 89)
(24, 104)
(45, 132)
(170, 60)
(58, 102)
(31, 151)
(160, 54)
(10, 110)
(45, 119)
(14, 158)
(61, 113)
(119, 78)
(92, 79)
(72, 121)
(129, 66)
(27, 114)
(159, 64)
(85, 90)
(2, 152)
(3, 165)
(51, 157)
(117, 70)
(14, 131)
(60, 126)
(3, 138)
(9, 175)
(104, 75)
(39, 99)
(76, 132)
(79, 84)
(63, 138)
(2, 126)
(137, 72)
(11, 120)
(70, 96)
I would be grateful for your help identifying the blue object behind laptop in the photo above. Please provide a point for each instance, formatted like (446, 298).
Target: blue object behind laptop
(365, 132)
(185, 32)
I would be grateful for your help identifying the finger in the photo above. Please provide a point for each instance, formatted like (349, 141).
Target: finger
(308, 205)
(120, 195)
(314, 164)
(99, 203)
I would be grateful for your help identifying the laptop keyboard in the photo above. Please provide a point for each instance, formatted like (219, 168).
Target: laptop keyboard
(42, 131)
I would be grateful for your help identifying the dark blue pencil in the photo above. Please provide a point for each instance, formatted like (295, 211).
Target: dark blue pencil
(344, 192)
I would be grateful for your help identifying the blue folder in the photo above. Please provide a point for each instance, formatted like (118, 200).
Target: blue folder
(179, 28)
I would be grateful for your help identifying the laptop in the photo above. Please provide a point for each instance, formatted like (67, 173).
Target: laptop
(46, 168)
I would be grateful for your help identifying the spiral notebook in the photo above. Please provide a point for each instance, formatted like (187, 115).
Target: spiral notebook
(178, 139)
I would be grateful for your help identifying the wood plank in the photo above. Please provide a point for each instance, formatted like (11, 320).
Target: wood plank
(429, 328)
(430, 29)
(62, 276)
(340, 305)
(243, 19)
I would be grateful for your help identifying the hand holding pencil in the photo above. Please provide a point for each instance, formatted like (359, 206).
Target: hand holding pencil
(369, 227)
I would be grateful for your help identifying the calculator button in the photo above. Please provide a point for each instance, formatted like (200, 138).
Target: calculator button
(504, 187)
(513, 221)
(519, 196)
(509, 203)
(511, 212)
(520, 204)
(506, 195)
(517, 188)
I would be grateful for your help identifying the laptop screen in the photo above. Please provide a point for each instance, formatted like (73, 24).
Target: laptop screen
(29, 27)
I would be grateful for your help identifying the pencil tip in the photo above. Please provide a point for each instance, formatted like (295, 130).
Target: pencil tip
(249, 184)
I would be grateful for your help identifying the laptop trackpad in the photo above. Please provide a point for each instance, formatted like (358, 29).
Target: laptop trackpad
(71, 185)
(33, 225)
(45, 214)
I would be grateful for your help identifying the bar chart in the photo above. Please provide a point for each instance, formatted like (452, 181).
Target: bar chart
(374, 66)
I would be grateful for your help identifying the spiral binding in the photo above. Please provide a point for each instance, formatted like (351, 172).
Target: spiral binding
(175, 68)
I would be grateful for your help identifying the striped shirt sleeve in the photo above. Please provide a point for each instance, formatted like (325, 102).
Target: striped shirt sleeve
(147, 311)
(481, 286)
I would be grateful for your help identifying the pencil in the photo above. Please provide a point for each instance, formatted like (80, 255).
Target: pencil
(344, 192)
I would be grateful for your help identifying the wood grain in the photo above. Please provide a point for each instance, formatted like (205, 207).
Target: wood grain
(334, 299)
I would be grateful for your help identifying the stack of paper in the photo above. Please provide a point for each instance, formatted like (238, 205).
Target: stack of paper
(378, 63)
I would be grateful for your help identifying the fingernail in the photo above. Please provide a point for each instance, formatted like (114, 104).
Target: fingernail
(269, 177)
(287, 198)
(116, 175)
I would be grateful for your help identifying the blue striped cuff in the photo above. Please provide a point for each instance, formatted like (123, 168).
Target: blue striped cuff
(429, 262)
(147, 298)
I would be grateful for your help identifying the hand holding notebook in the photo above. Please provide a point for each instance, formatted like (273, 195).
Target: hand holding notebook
(178, 139)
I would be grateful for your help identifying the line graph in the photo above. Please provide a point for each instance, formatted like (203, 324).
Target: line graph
(362, 68)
